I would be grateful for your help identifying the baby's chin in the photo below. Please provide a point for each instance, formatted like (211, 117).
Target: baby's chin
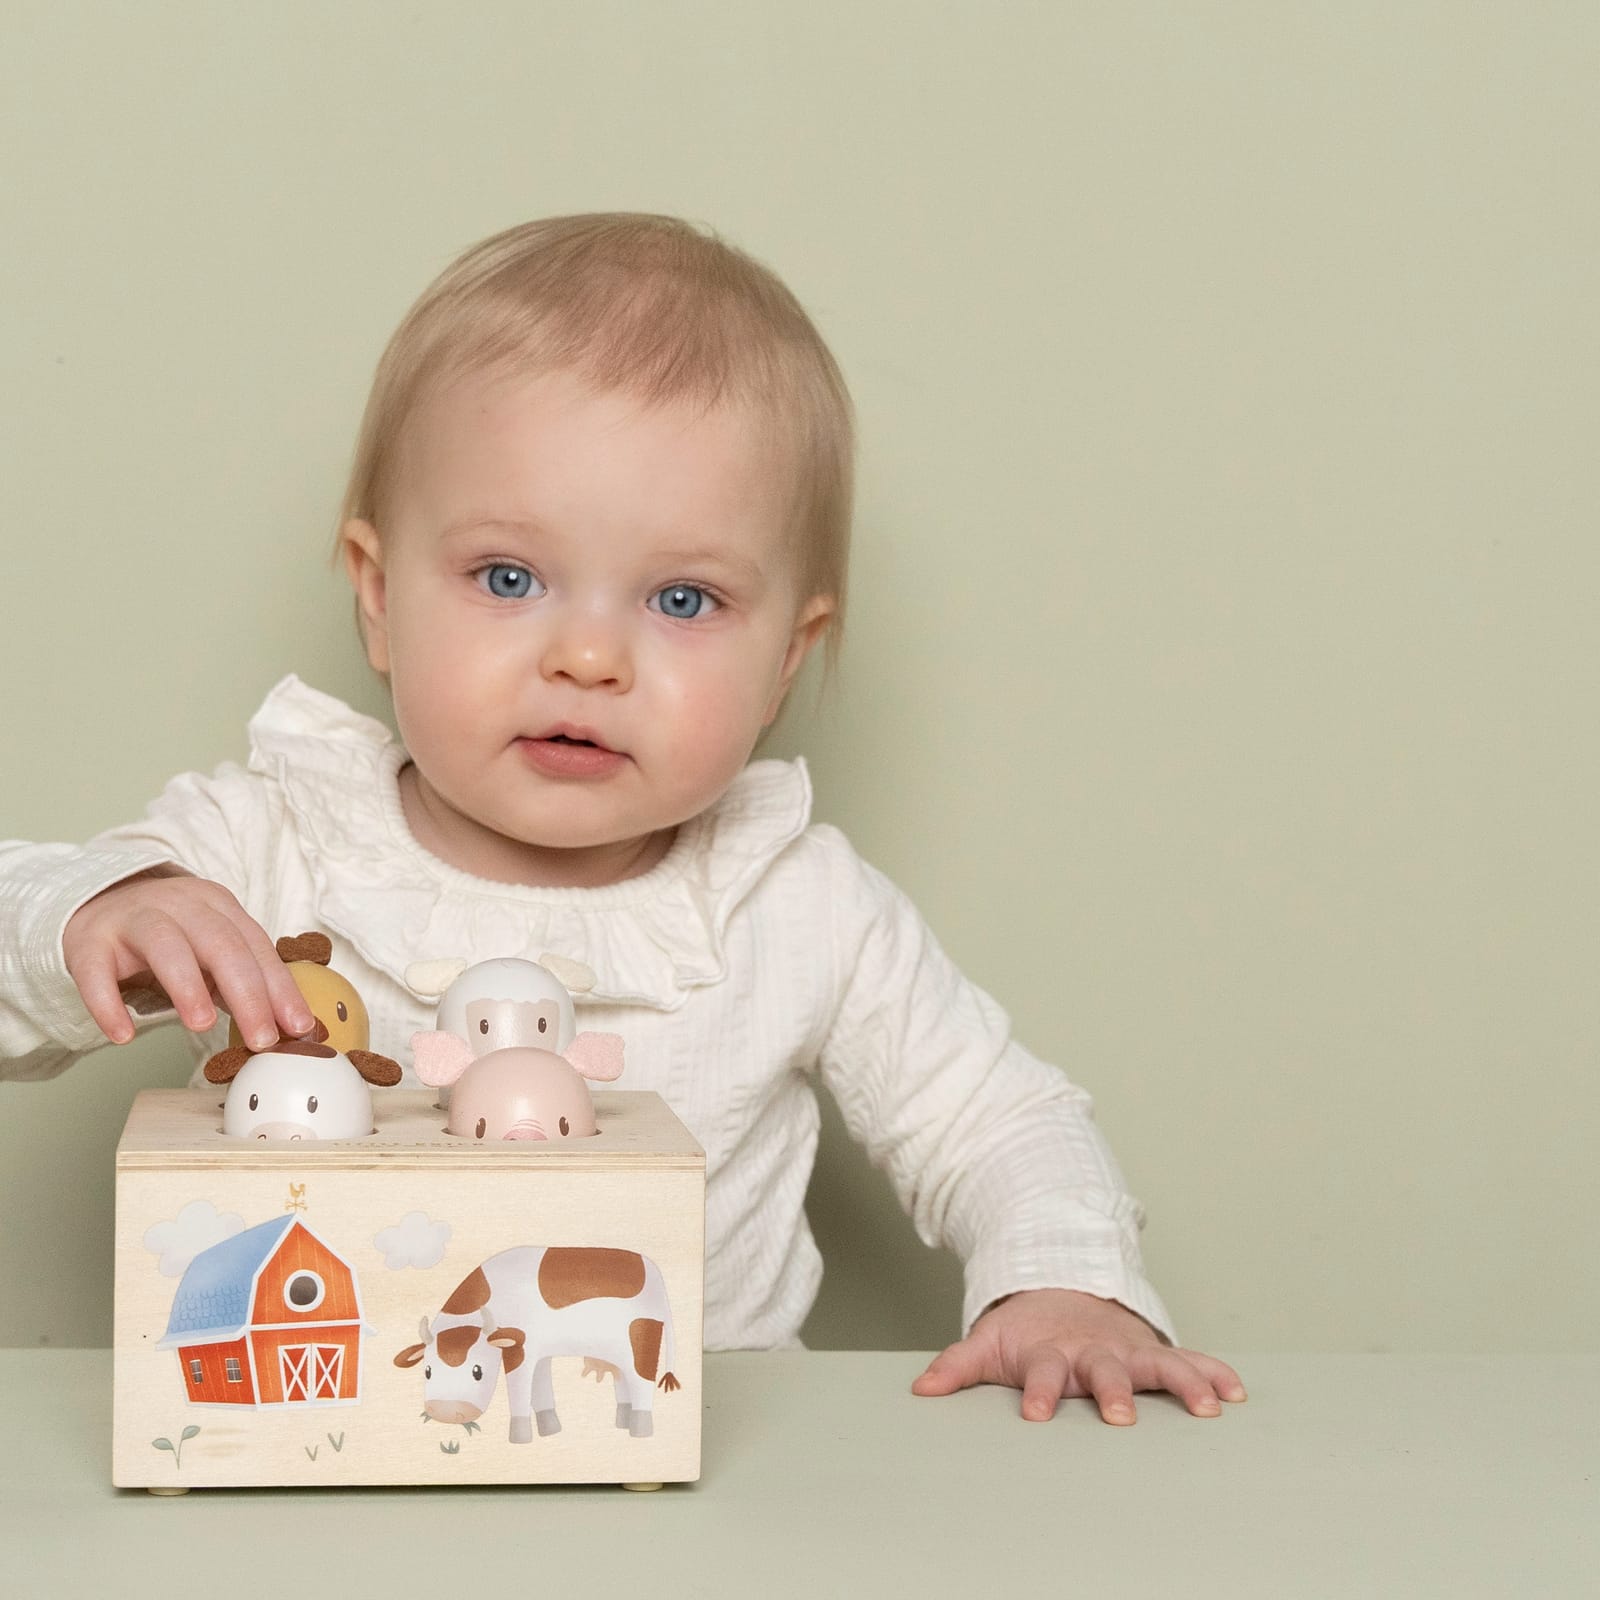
(586, 857)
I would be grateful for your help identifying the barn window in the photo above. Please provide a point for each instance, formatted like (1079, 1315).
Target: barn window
(196, 1372)
(234, 1374)
(304, 1290)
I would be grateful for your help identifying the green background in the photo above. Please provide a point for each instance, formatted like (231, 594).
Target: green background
(1220, 680)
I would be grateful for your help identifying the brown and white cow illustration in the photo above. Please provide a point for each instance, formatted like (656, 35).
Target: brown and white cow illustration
(527, 1305)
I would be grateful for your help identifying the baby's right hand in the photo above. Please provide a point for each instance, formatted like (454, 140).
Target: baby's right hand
(191, 938)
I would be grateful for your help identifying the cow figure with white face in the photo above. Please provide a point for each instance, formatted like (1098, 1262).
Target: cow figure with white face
(527, 1305)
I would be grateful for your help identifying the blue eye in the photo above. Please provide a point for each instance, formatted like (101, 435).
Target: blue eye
(506, 582)
(684, 600)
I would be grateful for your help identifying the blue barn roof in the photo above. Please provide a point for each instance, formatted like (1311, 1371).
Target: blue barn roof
(213, 1298)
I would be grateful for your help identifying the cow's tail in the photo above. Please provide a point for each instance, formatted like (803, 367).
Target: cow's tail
(667, 1382)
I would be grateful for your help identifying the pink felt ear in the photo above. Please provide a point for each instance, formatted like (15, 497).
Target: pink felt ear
(597, 1055)
(439, 1058)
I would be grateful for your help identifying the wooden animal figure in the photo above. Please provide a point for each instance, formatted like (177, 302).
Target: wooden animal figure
(526, 1305)
(516, 1093)
(341, 1017)
(510, 1004)
(492, 1005)
(301, 1090)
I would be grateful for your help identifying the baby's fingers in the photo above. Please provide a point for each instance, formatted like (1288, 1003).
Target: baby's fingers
(1106, 1377)
(94, 970)
(167, 953)
(1158, 1367)
(281, 1010)
(1044, 1379)
(249, 992)
(1223, 1378)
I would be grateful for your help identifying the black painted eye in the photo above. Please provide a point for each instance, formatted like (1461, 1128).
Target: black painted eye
(427, 1372)
(543, 1024)
(344, 1015)
(483, 1026)
(477, 1373)
(311, 1103)
(563, 1127)
(482, 1124)
(255, 1100)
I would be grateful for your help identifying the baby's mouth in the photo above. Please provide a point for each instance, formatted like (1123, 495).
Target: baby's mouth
(570, 750)
(573, 734)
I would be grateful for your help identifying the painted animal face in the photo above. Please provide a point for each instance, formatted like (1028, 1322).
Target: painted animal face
(496, 1004)
(521, 1094)
(341, 1016)
(461, 1365)
(298, 1091)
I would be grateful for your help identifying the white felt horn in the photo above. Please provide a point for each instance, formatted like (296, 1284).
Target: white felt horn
(431, 978)
(574, 976)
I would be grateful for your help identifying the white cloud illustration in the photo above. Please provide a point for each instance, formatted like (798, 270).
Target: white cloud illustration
(197, 1227)
(413, 1241)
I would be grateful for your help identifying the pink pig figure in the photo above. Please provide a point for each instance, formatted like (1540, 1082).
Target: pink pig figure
(521, 1092)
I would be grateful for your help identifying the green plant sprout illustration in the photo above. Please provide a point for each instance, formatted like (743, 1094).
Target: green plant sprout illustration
(471, 1427)
(177, 1449)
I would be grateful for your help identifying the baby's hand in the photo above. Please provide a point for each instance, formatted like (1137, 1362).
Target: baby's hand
(192, 939)
(1051, 1343)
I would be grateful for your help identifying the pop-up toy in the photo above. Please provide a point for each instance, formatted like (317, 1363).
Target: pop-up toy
(317, 1284)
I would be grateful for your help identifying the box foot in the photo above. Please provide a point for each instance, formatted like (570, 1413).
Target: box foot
(641, 1487)
(150, 1488)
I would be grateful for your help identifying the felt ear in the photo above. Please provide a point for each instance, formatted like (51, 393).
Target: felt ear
(573, 975)
(439, 1058)
(224, 1066)
(430, 979)
(597, 1055)
(314, 947)
(374, 1068)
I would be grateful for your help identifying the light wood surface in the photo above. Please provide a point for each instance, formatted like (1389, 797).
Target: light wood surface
(169, 1128)
(392, 1225)
(1343, 1475)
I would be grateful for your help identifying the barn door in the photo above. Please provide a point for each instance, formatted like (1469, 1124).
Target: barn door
(310, 1371)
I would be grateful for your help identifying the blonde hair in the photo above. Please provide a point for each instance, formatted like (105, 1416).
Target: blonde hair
(648, 305)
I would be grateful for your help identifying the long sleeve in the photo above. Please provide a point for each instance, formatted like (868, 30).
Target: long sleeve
(217, 827)
(992, 1152)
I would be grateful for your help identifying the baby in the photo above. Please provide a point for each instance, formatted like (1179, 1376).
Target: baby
(597, 520)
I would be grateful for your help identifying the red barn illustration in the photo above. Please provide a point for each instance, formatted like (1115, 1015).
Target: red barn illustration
(271, 1316)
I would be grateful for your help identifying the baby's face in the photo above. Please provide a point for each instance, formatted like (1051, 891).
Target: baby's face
(565, 566)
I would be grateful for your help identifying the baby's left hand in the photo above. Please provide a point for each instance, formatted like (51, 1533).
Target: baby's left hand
(1051, 1343)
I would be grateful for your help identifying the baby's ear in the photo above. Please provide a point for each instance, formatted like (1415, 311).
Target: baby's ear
(363, 564)
(810, 623)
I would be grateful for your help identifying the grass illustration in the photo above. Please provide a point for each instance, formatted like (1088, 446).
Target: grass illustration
(177, 1449)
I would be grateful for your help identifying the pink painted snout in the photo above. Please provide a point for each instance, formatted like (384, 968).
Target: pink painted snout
(526, 1130)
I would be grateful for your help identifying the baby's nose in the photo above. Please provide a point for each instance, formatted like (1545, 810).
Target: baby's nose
(589, 651)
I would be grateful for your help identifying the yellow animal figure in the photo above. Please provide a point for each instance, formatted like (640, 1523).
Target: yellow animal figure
(341, 1016)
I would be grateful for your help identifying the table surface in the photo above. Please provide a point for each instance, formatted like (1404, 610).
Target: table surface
(1363, 1475)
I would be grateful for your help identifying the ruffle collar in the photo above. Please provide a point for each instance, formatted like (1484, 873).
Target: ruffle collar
(650, 939)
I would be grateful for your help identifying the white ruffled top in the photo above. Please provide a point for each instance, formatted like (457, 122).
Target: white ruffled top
(760, 957)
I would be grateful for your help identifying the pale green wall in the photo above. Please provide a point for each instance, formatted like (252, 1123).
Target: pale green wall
(1222, 679)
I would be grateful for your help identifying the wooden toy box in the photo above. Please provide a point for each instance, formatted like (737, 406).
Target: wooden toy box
(264, 1292)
